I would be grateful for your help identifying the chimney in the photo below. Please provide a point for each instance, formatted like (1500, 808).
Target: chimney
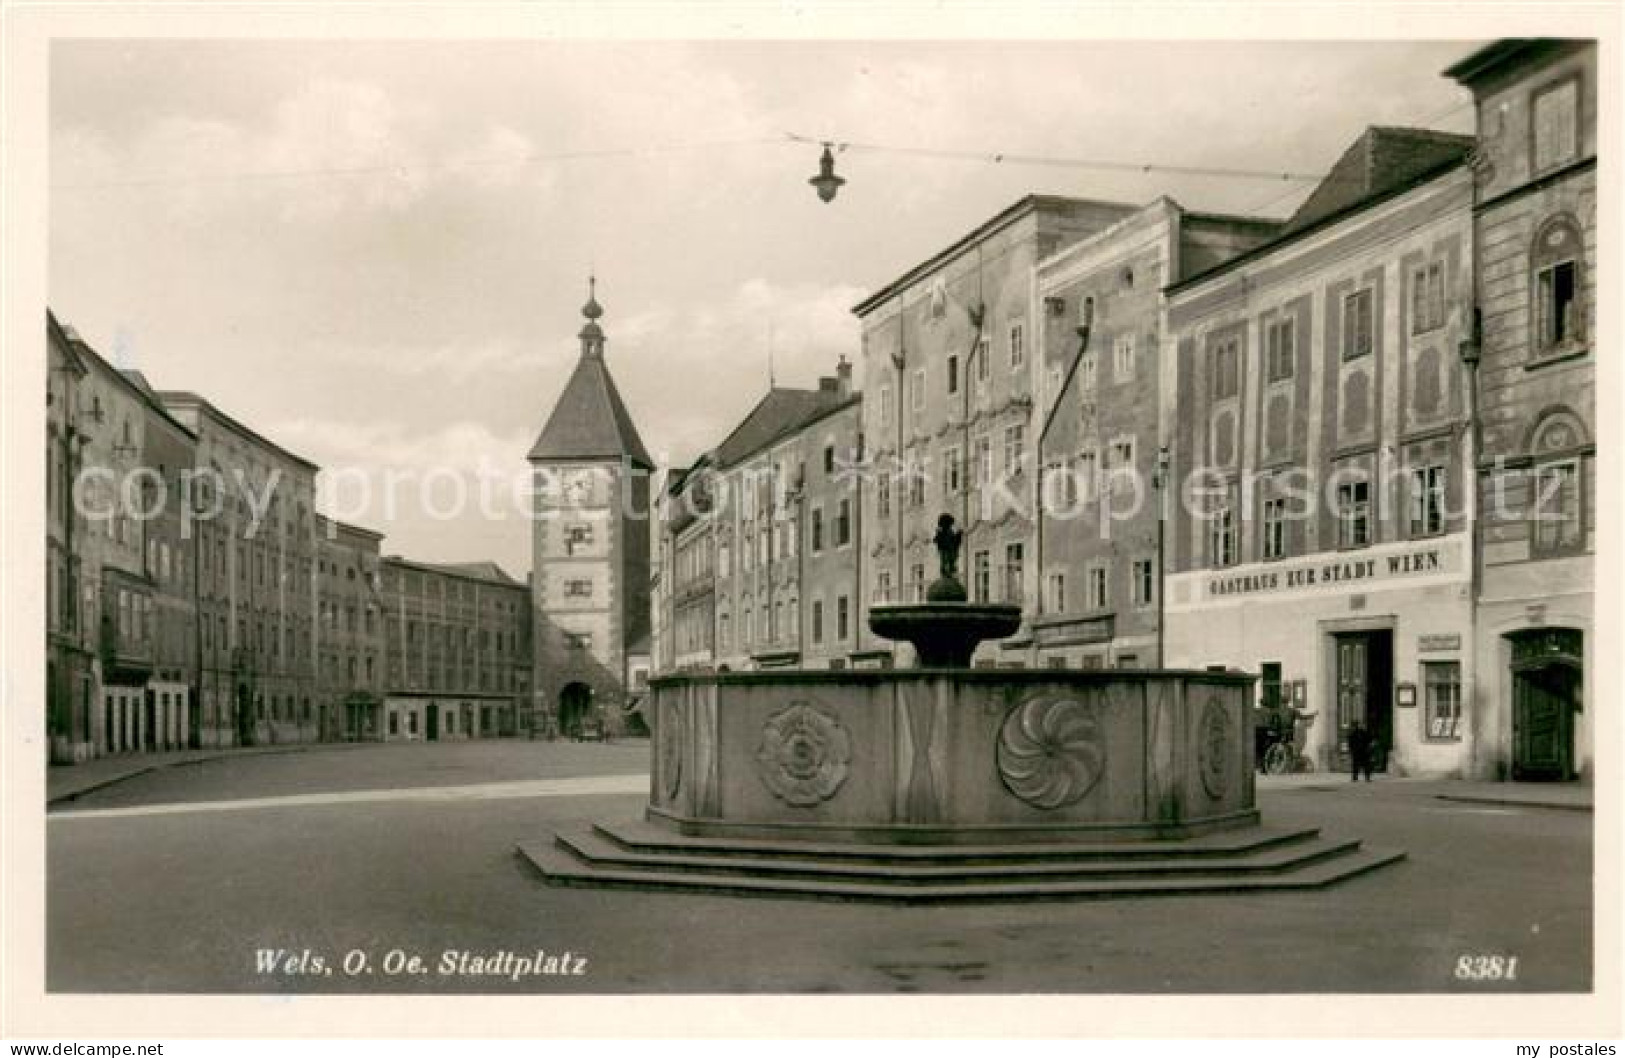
(843, 376)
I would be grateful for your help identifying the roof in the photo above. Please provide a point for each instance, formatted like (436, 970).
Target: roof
(590, 421)
(780, 411)
(486, 570)
(1383, 159)
(1492, 57)
(348, 527)
(185, 398)
(1009, 215)
(1299, 226)
(136, 385)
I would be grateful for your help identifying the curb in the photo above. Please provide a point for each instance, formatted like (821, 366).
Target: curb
(113, 780)
(1514, 802)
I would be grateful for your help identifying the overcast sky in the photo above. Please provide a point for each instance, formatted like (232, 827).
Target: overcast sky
(374, 253)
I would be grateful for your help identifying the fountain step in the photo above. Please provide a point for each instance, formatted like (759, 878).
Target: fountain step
(601, 854)
(651, 839)
(583, 858)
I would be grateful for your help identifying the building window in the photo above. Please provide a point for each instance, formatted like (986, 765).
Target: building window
(883, 586)
(1427, 501)
(953, 374)
(916, 577)
(885, 405)
(1557, 512)
(724, 632)
(982, 354)
(577, 589)
(1018, 354)
(843, 524)
(1123, 359)
(1226, 362)
(916, 488)
(1556, 124)
(1015, 444)
(982, 577)
(1357, 324)
(1427, 298)
(883, 496)
(1086, 377)
(1274, 528)
(576, 537)
(1014, 578)
(1099, 590)
(916, 396)
(817, 530)
(1144, 573)
(817, 620)
(984, 460)
(842, 617)
(1088, 474)
(578, 640)
(1280, 355)
(1555, 304)
(1055, 593)
(1441, 683)
(1354, 514)
(1222, 535)
(951, 482)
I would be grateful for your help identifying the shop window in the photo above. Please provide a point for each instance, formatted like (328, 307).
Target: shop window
(1441, 688)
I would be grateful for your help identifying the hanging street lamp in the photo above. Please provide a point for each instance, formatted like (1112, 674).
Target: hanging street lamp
(826, 181)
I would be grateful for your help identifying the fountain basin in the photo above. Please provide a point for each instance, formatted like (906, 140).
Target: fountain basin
(952, 757)
(945, 634)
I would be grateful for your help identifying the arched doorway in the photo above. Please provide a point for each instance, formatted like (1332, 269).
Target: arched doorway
(575, 702)
(1548, 668)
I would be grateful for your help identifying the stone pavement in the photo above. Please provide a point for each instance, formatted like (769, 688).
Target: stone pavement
(1573, 796)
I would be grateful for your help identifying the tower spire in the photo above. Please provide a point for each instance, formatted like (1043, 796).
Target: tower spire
(592, 335)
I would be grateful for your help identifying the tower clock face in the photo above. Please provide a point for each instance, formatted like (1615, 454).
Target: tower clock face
(577, 486)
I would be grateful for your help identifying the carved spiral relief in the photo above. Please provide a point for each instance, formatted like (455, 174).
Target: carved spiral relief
(671, 748)
(1050, 752)
(804, 755)
(1213, 748)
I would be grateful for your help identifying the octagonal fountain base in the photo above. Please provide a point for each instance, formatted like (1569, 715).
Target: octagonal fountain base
(951, 784)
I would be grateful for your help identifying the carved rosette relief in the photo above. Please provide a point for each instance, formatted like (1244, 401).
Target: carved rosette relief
(1050, 752)
(1214, 742)
(804, 755)
(671, 748)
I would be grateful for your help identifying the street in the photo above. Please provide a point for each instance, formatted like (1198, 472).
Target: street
(330, 871)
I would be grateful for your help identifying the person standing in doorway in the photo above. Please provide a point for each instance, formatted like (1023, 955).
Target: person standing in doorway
(1360, 752)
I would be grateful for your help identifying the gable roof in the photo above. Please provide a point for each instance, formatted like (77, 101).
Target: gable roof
(590, 421)
(781, 411)
(1383, 159)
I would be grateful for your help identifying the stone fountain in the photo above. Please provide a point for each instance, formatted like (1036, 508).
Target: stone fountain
(946, 782)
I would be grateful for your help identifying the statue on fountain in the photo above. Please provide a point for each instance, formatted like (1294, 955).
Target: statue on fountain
(947, 587)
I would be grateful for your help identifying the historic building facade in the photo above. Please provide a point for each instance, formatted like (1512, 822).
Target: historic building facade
(256, 572)
(1321, 534)
(350, 631)
(457, 660)
(1097, 433)
(947, 418)
(589, 548)
(1535, 228)
(72, 668)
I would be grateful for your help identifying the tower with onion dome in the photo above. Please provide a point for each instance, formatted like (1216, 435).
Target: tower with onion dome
(589, 549)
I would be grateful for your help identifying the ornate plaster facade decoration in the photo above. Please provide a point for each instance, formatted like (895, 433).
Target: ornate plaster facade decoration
(1213, 743)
